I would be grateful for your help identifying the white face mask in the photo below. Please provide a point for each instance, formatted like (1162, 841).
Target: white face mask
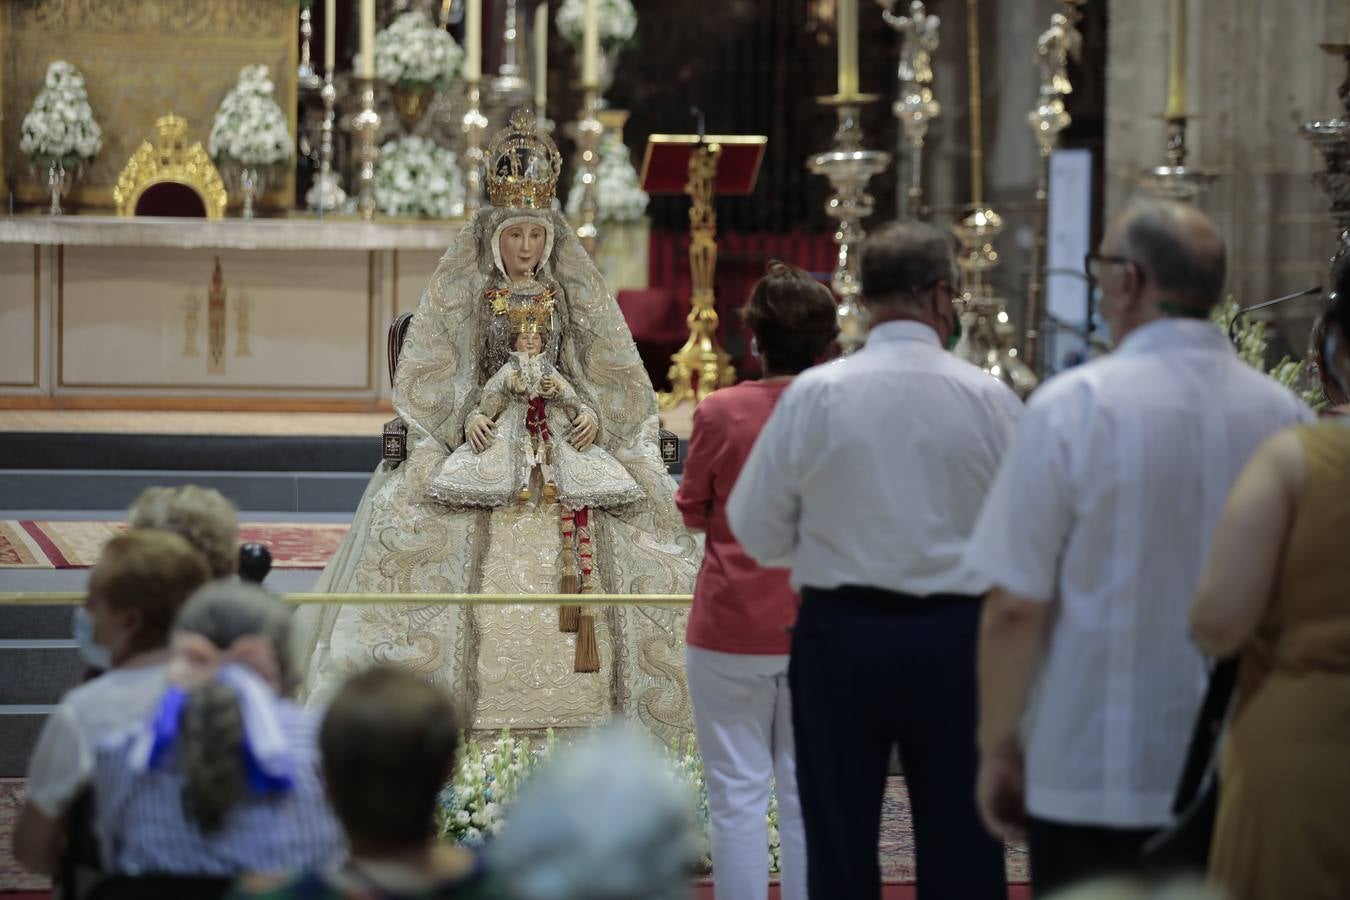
(93, 653)
(1330, 346)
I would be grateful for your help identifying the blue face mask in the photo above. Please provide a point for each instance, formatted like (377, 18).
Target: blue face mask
(95, 654)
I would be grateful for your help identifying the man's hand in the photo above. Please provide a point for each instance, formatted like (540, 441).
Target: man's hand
(479, 433)
(1000, 794)
(584, 430)
(548, 387)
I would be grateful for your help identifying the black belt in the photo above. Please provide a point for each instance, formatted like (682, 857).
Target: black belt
(862, 598)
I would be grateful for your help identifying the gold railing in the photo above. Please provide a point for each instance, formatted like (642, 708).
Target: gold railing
(70, 598)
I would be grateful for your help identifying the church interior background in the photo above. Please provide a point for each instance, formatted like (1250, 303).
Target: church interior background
(200, 258)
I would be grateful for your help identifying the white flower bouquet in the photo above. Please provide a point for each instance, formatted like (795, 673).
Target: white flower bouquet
(1252, 343)
(488, 778)
(412, 53)
(417, 177)
(60, 126)
(616, 183)
(250, 129)
(617, 22)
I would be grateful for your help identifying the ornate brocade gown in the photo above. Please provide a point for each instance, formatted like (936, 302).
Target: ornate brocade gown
(510, 665)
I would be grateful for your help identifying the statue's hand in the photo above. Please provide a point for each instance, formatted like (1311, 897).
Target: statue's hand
(479, 433)
(517, 383)
(584, 430)
(548, 387)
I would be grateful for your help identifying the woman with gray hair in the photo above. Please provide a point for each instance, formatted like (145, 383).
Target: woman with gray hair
(223, 777)
(203, 516)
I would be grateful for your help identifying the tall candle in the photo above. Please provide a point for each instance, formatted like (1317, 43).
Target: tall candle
(1176, 70)
(541, 55)
(590, 46)
(329, 35)
(473, 37)
(367, 39)
(846, 23)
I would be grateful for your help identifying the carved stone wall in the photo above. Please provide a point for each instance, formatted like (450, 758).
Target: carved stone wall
(141, 59)
(1254, 72)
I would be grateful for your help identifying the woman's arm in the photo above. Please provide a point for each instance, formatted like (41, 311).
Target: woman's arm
(1244, 558)
(701, 462)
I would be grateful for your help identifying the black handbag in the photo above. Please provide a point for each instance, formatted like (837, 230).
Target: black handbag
(1184, 844)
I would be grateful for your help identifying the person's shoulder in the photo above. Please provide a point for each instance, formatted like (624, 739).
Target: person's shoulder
(114, 684)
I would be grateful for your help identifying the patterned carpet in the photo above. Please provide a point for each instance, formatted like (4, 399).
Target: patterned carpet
(896, 847)
(29, 544)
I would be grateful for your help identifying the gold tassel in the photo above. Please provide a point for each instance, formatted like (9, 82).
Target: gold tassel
(588, 653)
(569, 617)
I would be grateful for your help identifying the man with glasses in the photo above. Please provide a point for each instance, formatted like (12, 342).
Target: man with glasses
(867, 480)
(1094, 536)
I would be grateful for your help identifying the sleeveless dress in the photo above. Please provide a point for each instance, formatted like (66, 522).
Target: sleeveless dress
(1282, 829)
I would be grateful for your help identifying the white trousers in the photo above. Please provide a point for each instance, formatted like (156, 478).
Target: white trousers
(743, 719)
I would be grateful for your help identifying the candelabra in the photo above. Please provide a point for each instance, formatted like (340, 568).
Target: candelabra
(915, 107)
(326, 192)
(366, 124)
(1332, 138)
(510, 88)
(475, 123)
(305, 76)
(1055, 47)
(987, 332)
(1176, 180)
(849, 168)
(588, 131)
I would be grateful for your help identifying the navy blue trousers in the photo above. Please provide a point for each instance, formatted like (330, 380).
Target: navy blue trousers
(872, 669)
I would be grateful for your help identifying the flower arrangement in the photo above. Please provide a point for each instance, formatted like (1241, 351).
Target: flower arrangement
(61, 126)
(471, 805)
(476, 803)
(616, 183)
(250, 129)
(1251, 346)
(417, 177)
(413, 53)
(616, 18)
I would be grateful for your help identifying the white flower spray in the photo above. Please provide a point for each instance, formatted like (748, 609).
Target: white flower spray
(417, 177)
(617, 21)
(412, 52)
(250, 128)
(61, 125)
(621, 198)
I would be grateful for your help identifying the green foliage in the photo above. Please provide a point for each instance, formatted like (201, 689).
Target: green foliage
(1252, 346)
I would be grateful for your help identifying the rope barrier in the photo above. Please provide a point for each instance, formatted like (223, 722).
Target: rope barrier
(73, 598)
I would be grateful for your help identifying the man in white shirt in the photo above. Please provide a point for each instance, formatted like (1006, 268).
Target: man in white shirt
(867, 481)
(141, 580)
(1094, 537)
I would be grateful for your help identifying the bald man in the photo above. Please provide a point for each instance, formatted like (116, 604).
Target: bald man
(1094, 536)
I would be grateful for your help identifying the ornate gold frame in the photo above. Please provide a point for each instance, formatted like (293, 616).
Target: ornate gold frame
(170, 161)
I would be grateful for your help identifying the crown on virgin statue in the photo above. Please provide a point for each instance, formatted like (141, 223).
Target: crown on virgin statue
(522, 165)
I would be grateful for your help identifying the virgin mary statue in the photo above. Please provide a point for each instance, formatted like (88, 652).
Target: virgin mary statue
(516, 271)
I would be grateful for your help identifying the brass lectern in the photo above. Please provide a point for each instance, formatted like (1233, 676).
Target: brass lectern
(701, 166)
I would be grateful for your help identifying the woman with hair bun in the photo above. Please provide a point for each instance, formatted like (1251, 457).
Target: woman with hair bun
(223, 777)
(737, 637)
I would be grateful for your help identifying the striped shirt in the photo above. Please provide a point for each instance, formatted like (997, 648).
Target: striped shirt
(142, 828)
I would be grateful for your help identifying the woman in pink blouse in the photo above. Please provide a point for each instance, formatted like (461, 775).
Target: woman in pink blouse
(738, 628)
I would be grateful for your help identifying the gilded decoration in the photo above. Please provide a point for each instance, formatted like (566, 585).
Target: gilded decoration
(523, 165)
(140, 58)
(170, 160)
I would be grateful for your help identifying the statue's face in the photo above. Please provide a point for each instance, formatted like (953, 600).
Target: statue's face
(528, 342)
(521, 246)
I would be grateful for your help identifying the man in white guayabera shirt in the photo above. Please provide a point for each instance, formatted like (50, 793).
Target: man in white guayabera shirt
(1094, 536)
(867, 480)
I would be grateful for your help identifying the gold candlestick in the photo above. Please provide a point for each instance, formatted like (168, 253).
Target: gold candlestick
(475, 123)
(588, 131)
(1055, 47)
(915, 107)
(366, 124)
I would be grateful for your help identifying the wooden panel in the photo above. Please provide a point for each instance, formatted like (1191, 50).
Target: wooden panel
(20, 315)
(283, 322)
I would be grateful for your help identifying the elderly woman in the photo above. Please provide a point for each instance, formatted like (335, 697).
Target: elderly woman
(203, 516)
(135, 590)
(223, 777)
(737, 636)
(1275, 591)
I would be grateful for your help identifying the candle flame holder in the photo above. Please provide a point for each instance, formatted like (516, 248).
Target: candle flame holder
(1332, 138)
(474, 124)
(326, 193)
(366, 125)
(588, 131)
